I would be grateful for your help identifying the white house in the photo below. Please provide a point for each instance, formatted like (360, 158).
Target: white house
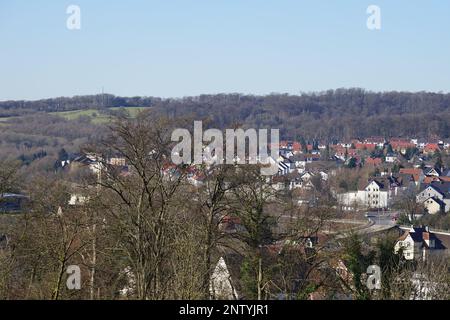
(434, 205)
(375, 195)
(391, 158)
(416, 243)
(439, 192)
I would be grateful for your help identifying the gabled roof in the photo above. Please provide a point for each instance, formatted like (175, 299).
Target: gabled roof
(381, 184)
(442, 187)
(420, 235)
(428, 171)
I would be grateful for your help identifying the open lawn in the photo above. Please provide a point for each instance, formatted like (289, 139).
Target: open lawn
(95, 115)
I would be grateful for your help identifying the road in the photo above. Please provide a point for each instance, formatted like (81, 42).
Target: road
(376, 221)
(380, 221)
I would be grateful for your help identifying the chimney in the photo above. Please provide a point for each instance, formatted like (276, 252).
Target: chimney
(426, 238)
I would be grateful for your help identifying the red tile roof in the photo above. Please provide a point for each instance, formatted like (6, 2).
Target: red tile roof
(373, 161)
(365, 146)
(413, 171)
(431, 147)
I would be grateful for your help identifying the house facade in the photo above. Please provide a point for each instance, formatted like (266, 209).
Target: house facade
(374, 196)
(419, 243)
(435, 194)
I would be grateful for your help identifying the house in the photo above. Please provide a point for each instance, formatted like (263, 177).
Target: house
(434, 205)
(401, 145)
(432, 172)
(117, 161)
(346, 145)
(391, 158)
(292, 181)
(378, 141)
(300, 161)
(296, 147)
(439, 191)
(375, 196)
(416, 174)
(431, 148)
(419, 143)
(375, 162)
(90, 160)
(365, 146)
(417, 243)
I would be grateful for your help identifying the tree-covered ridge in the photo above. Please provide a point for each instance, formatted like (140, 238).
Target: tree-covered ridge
(333, 114)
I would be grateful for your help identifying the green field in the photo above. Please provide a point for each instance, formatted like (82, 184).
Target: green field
(133, 111)
(95, 115)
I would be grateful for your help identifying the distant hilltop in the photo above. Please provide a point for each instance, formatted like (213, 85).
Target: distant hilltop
(332, 114)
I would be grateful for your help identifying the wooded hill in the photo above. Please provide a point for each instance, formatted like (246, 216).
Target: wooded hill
(333, 114)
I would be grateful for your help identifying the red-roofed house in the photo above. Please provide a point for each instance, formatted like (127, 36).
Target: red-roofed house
(373, 161)
(365, 146)
(401, 145)
(431, 148)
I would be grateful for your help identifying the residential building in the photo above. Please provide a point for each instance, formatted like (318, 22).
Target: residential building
(375, 195)
(418, 243)
(440, 193)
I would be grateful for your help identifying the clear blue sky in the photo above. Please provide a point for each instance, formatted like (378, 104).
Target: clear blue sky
(174, 48)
